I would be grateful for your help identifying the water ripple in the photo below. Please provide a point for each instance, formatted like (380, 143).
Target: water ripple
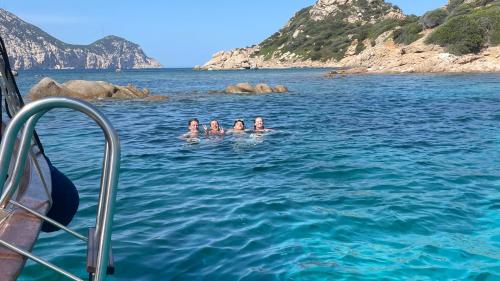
(388, 177)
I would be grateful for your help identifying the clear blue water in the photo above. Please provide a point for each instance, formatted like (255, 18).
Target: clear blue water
(386, 177)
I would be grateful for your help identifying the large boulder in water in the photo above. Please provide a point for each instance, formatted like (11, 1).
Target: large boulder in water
(245, 88)
(263, 88)
(88, 90)
(280, 89)
(48, 88)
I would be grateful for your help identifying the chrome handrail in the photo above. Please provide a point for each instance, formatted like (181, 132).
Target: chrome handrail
(29, 116)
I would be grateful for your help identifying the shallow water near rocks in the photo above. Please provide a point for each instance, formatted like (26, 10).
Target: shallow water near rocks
(383, 177)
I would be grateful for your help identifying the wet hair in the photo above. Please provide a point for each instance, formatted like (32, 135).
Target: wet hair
(191, 120)
(218, 125)
(254, 127)
(239, 120)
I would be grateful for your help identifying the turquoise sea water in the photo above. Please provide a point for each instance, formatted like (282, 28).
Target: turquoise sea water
(384, 177)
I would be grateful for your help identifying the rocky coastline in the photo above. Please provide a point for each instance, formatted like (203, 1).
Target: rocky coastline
(418, 57)
(245, 58)
(379, 55)
(384, 57)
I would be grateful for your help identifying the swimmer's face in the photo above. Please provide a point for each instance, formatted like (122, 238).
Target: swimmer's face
(259, 123)
(239, 126)
(193, 126)
(214, 125)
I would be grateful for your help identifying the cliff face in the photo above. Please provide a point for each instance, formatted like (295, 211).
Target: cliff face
(29, 47)
(375, 36)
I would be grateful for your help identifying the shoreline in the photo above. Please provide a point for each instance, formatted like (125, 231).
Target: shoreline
(383, 57)
(328, 69)
(346, 73)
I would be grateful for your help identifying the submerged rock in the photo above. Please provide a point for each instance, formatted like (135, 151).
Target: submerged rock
(280, 89)
(343, 72)
(231, 89)
(88, 90)
(155, 98)
(217, 91)
(246, 88)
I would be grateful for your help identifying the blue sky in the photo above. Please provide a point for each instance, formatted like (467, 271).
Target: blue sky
(179, 33)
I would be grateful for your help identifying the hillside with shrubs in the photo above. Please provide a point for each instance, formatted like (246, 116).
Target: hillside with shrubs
(462, 27)
(465, 27)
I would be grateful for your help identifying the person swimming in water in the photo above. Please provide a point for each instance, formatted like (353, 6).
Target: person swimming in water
(193, 129)
(238, 127)
(258, 125)
(215, 128)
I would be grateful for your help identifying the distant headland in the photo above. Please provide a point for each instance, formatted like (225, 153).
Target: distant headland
(372, 36)
(29, 47)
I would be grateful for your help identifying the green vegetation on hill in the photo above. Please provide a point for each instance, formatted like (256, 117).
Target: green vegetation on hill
(408, 33)
(469, 27)
(331, 37)
(460, 27)
(434, 18)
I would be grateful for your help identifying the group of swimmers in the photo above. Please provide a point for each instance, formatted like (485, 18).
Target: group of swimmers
(217, 130)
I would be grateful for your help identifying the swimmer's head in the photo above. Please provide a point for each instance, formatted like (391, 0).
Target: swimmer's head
(193, 125)
(258, 123)
(239, 125)
(214, 125)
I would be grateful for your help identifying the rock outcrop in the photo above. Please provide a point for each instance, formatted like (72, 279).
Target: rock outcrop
(246, 58)
(263, 88)
(328, 8)
(280, 89)
(234, 59)
(89, 90)
(31, 48)
(388, 57)
(247, 88)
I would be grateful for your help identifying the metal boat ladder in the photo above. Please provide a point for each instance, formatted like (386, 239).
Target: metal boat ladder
(99, 257)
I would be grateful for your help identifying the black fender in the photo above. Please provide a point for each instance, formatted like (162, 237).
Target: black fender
(65, 200)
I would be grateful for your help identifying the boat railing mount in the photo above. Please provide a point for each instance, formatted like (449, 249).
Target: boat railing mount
(99, 257)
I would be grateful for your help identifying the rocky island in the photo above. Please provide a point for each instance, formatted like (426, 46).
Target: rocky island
(29, 47)
(372, 36)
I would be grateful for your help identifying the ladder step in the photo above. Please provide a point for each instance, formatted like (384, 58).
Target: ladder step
(92, 255)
